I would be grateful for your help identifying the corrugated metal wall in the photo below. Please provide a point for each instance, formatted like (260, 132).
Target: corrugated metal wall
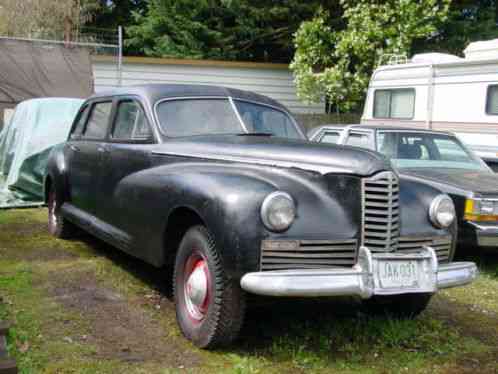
(273, 80)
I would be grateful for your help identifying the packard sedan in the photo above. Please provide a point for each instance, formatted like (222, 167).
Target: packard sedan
(437, 158)
(222, 187)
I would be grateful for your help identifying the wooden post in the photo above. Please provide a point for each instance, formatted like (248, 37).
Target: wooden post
(7, 366)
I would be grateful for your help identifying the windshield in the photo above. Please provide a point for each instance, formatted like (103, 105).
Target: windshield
(426, 150)
(210, 116)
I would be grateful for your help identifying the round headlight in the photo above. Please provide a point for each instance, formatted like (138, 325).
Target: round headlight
(442, 211)
(278, 211)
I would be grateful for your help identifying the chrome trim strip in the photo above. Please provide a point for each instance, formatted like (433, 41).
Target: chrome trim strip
(319, 168)
(482, 227)
(361, 280)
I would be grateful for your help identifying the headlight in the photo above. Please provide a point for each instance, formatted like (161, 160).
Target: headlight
(442, 211)
(481, 210)
(278, 211)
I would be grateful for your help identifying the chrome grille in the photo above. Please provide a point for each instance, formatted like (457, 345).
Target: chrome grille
(380, 199)
(442, 245)
(307, 254)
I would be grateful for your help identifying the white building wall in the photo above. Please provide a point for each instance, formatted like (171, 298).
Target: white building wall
(273, 80)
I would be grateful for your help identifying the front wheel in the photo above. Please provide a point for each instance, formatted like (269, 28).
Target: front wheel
(209, 306)
(400, 306)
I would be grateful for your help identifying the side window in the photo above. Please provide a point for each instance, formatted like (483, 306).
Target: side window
(98, 121)
(330, 137)
(358, 140)
(131, 123)
(397, 103)
(80, 122)
(492, 100)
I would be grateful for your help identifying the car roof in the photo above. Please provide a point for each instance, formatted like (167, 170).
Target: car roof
(153, 92)
(379, 127)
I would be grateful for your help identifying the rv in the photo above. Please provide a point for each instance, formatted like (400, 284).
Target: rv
(441, 92)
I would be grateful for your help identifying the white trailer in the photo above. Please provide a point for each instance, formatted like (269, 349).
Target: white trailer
(441, 92)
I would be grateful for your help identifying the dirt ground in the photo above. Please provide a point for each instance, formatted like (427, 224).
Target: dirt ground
(82, 306)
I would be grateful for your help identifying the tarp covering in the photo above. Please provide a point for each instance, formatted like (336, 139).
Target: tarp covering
(33, 69)
(25, 143)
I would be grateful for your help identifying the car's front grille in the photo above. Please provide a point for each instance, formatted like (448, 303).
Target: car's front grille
(441, 244)
(307, 254)
(380, 205)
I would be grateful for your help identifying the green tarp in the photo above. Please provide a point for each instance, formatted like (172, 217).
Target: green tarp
(25, 143)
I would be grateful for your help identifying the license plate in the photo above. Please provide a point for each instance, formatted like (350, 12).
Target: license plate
(398, 274)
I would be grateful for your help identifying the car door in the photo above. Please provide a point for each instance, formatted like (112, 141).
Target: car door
(84, 156)
(126, 151)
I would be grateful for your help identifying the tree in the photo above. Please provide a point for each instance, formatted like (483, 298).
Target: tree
(336, 64)
(256, 30)
(468, 21)
(43, 18)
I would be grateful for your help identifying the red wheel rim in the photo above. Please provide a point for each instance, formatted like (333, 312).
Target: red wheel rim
(196, 287)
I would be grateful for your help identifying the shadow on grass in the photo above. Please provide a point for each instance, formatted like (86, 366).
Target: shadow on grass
(485, 258)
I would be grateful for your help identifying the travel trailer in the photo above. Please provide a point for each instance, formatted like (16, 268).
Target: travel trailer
(441, 92)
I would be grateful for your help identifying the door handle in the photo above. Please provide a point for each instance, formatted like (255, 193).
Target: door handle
(74, 148)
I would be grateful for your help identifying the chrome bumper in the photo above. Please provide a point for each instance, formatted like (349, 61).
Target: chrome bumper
(486, 233)
(360, 280)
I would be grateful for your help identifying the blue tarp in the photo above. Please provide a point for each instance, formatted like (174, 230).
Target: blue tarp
(25, 143)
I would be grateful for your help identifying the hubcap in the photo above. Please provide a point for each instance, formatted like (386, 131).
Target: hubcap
(197, 288)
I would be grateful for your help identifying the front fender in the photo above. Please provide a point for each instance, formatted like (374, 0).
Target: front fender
(228, 199)
(415, 201)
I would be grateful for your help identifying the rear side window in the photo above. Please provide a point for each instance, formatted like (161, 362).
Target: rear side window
(492, 100)
(98, 121)
(330, 137)
(358, 140)
(397, 103)
(131, 123)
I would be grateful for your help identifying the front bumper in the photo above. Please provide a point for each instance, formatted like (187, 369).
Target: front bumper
(362, 279)
(486, 233)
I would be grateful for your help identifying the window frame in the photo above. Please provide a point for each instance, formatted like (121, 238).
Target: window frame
(93, 104)
(231, 100)
(82, 112)
(117, 101)
(390, 90)
(488, 88)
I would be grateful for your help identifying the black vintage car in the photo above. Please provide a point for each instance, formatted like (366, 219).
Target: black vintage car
(439, 159)
(224, 186)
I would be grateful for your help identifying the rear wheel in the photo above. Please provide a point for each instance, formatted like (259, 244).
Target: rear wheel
(209, 306)
(58, 226)
(400, 306)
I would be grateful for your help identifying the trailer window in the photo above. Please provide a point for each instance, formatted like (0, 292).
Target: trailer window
(492, 100)
(397, 103)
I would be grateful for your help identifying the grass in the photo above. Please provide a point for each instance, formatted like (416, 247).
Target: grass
(57, 292)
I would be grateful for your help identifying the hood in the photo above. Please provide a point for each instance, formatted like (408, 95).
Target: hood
(272, 151)
(456, 181)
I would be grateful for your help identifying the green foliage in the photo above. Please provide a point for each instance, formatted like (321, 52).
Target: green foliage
(468, 21)
(337, 64)
(220, 29)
